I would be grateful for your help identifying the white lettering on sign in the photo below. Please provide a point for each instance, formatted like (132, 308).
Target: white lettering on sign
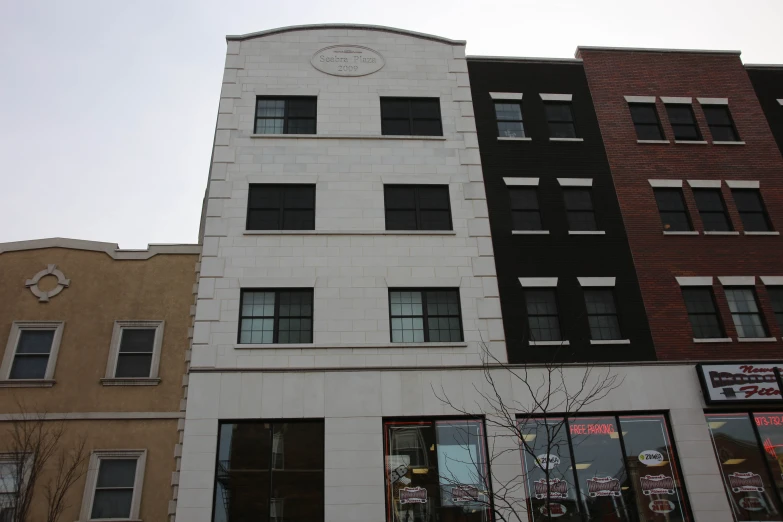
(347, 60)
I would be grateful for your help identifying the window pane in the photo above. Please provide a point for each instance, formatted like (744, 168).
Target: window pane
(35, 341)
(680, 114)
(558, 112)
(745, 312)
(723, 133)
(435, 220)
(112, 503)
(671, 205)
(669, 199)
(602, 315)
(29, 367)
(686, 132)
(524, 198)
(770, 426)
(708, 200)
(425, 108)
(269, 126)
(436, 471)
(137, 340)
(581, 221)
(299, 220)
(603, 480)
(526, 220)
(297, 472)
(133, 365)
(396, 128)
(562, 130)
(399, 197)
(702, 313)
(401, 220)
(270, 108)
(301, 108)
(511, 129)
(756, 222)
(548, 469)
(116, 473)
(434, 197)
(8, 482)
(776, 296)
(644, 113)
(577, 199)
(395, 108)
(649, 132)
(426, 128)
(717, 115)
(301, 126)
(658, 489)
(508, 111)
(742, 468)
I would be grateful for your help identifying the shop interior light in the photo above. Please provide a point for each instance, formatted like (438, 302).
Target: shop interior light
(529, 437)
(731, 462)
(714, 425)
(616, 435)
(584, 465)
(420, 471)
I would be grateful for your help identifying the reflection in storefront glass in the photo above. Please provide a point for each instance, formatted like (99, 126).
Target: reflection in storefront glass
(603, 482)
(650, 465)
(744, 471)
(770, 426)
(549, 459)
(436, 471)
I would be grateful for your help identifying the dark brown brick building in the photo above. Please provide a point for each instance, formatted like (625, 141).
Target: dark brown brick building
(690, 201)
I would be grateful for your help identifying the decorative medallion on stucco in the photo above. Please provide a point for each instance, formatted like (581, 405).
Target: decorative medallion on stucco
(44, 295)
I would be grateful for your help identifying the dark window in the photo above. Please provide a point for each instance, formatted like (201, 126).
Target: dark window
(700, 303)
(579, 209)
(525, 214)
(601, 468)
(134, 358)
(776, 297)
(270, 472)
(602, 314)
(745, 312)
(720, 123)
(32, 354)
(276, 317)
(671, 205)
(712, 209)
(285, 115)
(114, 488)
(410, 117)
(645, 120)
(751, 210)
(683, 122)
(417, 207)
(748, 447)
(281, 207)
(509, 116)
(9, 488)
(425, 316)
(436, 470)
(560, 118)
(542, 314)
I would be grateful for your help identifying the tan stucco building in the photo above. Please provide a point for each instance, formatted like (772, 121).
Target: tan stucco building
(96, 339)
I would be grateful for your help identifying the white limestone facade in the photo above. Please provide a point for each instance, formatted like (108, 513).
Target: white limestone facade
(352, 376)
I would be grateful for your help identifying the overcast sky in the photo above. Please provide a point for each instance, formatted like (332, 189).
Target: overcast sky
(108, 108)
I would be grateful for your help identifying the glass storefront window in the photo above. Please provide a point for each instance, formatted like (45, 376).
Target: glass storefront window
(747, 447)
(270, 472)
(436, 471)
(606, 468)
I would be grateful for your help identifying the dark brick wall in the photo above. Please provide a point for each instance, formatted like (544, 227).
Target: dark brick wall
(768, 83)
(658, 258)
(557, 254)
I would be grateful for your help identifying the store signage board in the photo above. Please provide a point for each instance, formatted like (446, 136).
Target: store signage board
(348, 60)
(737, 382)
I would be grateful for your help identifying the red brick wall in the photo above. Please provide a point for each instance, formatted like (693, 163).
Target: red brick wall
(658, 258)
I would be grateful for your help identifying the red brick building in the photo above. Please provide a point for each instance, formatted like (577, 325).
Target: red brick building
(685, 241)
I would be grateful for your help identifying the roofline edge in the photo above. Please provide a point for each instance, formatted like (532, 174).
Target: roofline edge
(111, 249)
(383, 28)
(655, 50)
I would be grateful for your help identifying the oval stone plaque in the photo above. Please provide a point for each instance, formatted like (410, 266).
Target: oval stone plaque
(347, 60)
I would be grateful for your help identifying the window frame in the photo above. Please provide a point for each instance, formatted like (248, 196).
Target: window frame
(572, 121)
(498, 120)
(553, 291)
(276, 316)
(657, 123)
(282, 208)
(411, 117)
(417, 205)
(17, 327)
(616, 416)
(695, 124)
(716, 310)
(574, 188)
(286, 100)
(730, 125)
(776, 290)
(611, 290)
(425, 313)
(684, 210)
(114, 350)
(764, 212)
(91, 481)
(523, 188)
(21, 462)
(724, 210)
(759, 310)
